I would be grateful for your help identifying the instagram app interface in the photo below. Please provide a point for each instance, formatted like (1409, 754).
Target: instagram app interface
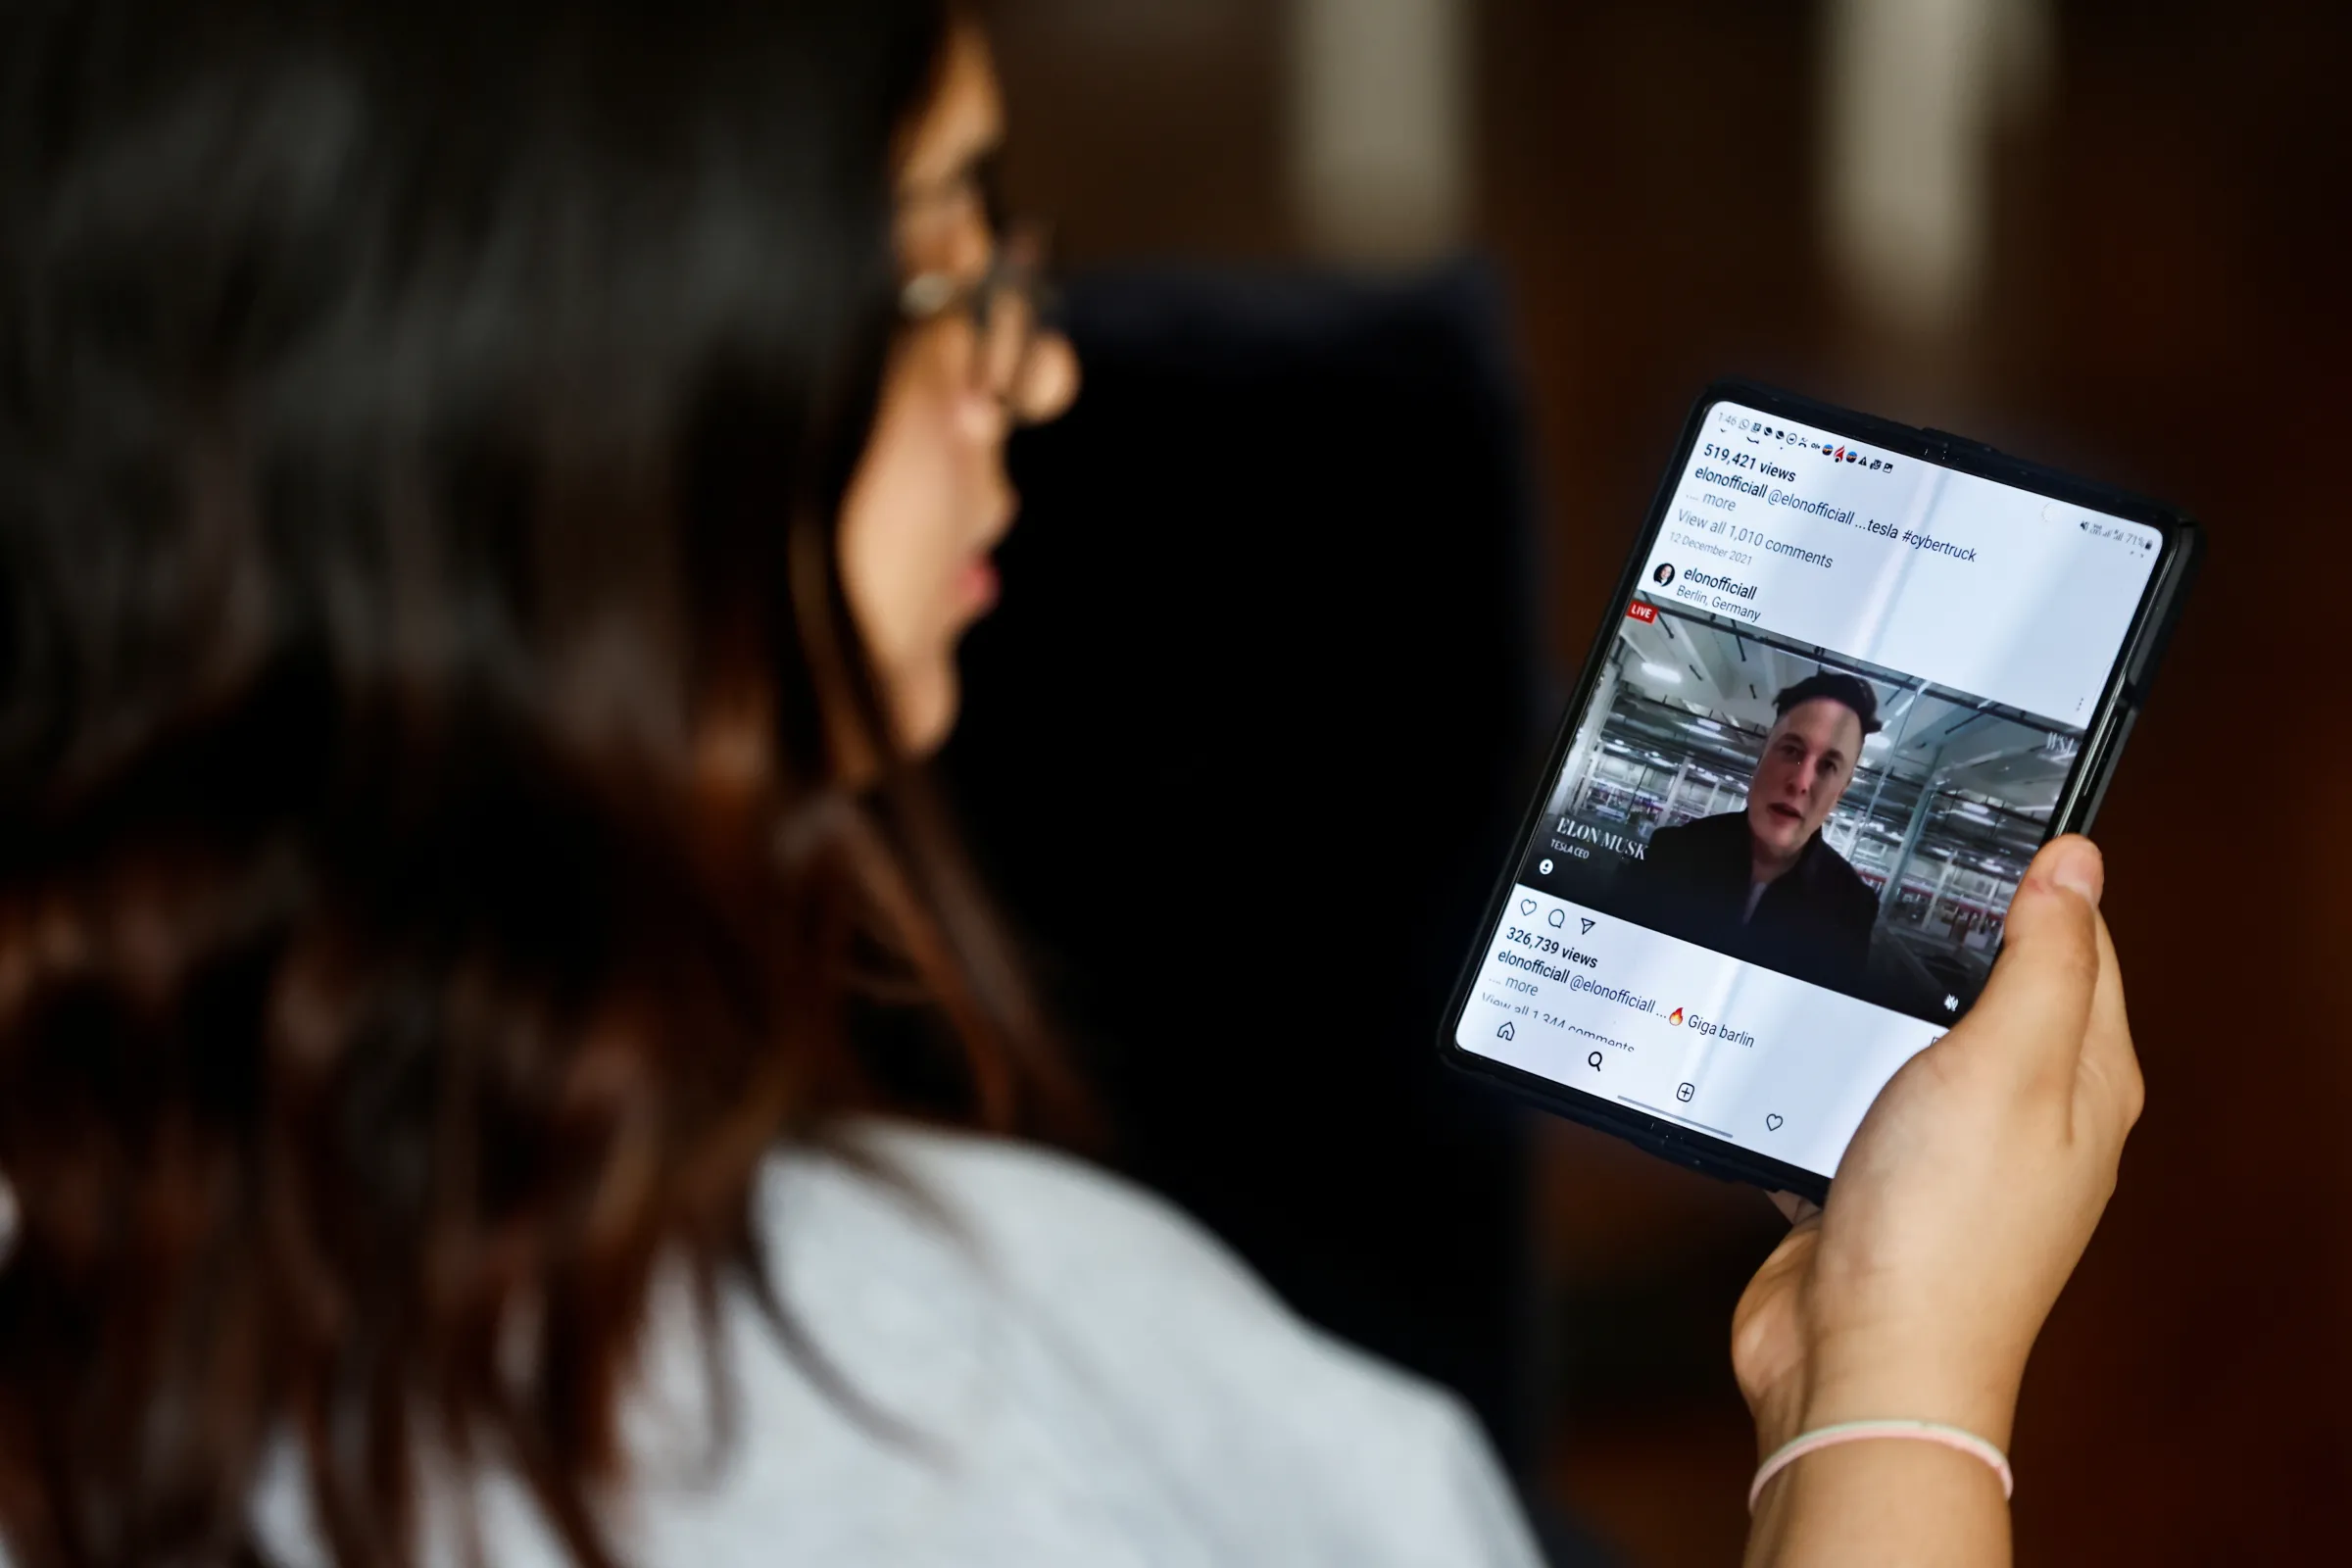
(1836, 718)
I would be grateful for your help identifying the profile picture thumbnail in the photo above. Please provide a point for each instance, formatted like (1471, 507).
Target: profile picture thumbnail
(1663, 577)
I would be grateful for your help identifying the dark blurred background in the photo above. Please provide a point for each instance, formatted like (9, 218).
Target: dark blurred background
(1365, 503)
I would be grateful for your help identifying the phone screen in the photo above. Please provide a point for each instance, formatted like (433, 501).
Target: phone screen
(1835, 720)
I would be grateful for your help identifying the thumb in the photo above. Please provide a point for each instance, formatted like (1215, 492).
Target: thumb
(2036, 1007)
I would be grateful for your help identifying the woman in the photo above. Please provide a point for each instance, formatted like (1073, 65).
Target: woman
(488, 497)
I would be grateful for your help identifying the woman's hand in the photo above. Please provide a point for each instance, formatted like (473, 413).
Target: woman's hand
(1967, 1197)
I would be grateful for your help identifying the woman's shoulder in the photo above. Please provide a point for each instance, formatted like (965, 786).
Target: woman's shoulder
(965, 1240)
(1021, 1213)
(1058, 1313)
(982, 1352)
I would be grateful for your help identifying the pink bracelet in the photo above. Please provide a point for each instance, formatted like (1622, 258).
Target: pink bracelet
(1967, 1442)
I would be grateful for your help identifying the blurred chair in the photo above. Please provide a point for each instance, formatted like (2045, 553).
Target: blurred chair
(1243, 748)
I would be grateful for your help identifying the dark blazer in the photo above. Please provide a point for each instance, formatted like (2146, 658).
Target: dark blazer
(1813, 922)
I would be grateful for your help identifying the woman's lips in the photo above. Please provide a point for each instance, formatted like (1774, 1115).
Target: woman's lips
(977, 587)
(1789, 811)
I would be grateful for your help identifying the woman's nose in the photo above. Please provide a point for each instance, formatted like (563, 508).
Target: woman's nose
(1049, 380)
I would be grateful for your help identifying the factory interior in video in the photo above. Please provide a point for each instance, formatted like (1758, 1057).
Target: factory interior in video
(1949, 802)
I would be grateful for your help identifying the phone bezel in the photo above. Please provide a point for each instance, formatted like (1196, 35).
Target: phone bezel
(2119, 704)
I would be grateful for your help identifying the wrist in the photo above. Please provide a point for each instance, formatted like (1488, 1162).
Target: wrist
(1994, 1420)
(1844, 1384)
(1914, 1387)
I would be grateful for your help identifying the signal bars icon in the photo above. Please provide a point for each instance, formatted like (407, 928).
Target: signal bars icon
(2100, 530)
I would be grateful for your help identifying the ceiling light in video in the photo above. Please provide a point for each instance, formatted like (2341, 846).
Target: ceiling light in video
(1665, 672)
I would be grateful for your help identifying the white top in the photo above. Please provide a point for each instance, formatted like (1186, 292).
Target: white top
(1094, 1377)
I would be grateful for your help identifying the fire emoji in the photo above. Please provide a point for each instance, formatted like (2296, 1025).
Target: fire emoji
(1676, 1017)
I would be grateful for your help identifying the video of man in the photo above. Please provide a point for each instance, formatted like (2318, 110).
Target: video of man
(1829, 819)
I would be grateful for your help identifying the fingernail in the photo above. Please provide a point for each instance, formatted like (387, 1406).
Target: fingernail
(2079, 867)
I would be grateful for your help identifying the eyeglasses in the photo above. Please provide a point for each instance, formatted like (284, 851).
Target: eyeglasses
(1006, 306)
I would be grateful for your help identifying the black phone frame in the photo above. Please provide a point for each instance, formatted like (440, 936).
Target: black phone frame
(2120, 704)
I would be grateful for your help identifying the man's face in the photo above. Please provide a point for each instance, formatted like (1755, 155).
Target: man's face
(1809, 760)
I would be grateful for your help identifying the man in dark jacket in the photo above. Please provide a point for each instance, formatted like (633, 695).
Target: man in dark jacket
(1759, 884)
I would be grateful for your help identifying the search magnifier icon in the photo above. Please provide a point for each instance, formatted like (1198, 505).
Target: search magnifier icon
(1594, 1061)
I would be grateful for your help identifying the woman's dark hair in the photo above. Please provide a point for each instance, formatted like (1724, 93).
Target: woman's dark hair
(448, 825)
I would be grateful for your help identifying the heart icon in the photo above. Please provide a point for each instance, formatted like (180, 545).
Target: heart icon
(1527, 905)
(1773, 1122)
